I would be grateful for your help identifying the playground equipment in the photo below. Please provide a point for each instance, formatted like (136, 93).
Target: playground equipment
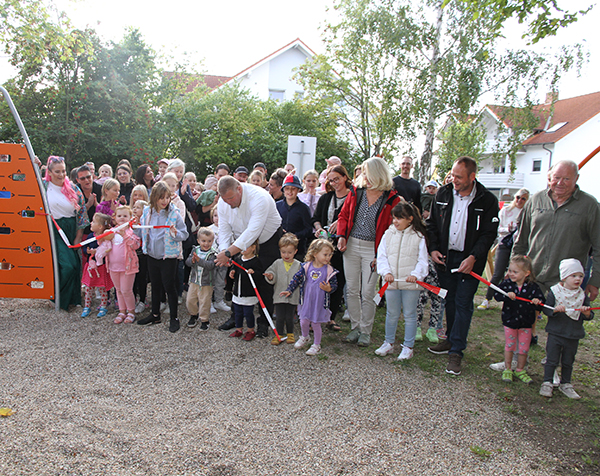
(28, 263)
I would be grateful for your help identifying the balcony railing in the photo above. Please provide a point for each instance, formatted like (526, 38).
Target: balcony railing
(506, 180)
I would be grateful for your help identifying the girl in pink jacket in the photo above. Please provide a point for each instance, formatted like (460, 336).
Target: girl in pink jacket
(122, 264)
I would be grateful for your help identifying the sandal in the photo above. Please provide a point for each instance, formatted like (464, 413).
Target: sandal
(130, 318)
(120, 317)
(522, 376)
(332, 326)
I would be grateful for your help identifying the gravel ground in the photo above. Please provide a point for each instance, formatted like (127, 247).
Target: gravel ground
(91, 397)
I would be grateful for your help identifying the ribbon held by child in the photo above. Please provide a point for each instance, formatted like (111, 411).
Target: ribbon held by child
(441, 292)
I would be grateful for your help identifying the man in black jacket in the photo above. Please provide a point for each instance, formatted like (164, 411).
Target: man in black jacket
(462, 227)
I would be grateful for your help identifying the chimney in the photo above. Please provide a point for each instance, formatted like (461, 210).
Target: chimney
(551, 97)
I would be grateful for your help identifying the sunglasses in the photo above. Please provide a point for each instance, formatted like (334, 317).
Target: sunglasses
(87, 177)
(521, 198)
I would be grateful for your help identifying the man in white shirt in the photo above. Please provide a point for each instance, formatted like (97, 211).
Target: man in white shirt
(246, 214)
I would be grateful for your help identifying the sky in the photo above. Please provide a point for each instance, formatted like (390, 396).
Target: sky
(225, 37)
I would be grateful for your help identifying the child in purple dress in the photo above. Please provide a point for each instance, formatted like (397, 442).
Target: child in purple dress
(317, 280)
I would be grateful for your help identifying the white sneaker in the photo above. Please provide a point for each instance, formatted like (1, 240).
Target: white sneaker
(164, 308)
(406, 353)
(385, 349)
(140, 307)
(346, 316)
(180, 300)
(212, 309)
(222, 306)
(301, 342)
(565, 388)
(498, 367)
(485, 304)
(314, 350)
(556, 379)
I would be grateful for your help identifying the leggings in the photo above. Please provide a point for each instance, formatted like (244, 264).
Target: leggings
(87, 300)
(512, 336)
(124, 286)
(317, 330)
(284, 318)
(141, 278)
(163, 278)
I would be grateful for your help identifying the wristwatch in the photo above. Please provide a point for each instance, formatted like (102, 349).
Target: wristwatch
(228, 253)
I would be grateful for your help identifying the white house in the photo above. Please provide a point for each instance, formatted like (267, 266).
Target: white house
(569, 129)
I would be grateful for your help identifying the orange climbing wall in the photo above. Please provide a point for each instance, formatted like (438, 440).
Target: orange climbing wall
(26, 266)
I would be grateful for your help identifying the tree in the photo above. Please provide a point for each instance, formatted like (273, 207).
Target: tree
(462, 136)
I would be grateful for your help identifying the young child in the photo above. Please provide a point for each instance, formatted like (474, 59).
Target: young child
(96, 276)
(139, 192)
(257, 178)
(140, 284)
(163, 164)
(317, 280)
(244, 297)
(202, 263)
(123, 264)
(220, 272)
(402, 261)
(163, 247)
(565, 326)
(111, 190)
(280, 273)
(104, 173)
(518, 316)
(171, 180)
(309, 196)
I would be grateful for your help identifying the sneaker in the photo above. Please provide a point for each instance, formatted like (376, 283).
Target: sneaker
(149, 320)
(86, 312)
(546, 389)
(290, 338)
(262, 331)
(507, 375)
(221, 306)
(204, 325)
(441, 334)
(193, 322)
(385, 349)
(523, 377)
(346, 316)
(140, 307)
(174, 325)
(364, 340)
(442, 348)
(164, 308)
(179, 299)
(212, 309)
(275, 341)
(485, 304)
(352, 338)
(556, 379)
(454, 361)
(569, 391)
(419, 335)
(498, 367)
(314, 350)
(406, 353)
(301, 342)
(236, 333)
(432, 336)
(227, 325)
(102, 312)
(249, 335)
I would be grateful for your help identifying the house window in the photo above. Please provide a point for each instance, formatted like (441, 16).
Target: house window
(276, 94)
(499, 169)
(537, 165)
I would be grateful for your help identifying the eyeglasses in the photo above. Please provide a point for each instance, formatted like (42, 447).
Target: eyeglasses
(87, 177)
(521, 198)
(55, 158)
(335, 179)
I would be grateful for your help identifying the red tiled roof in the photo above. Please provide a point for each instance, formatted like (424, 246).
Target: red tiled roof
(574, 111)
(194, 80)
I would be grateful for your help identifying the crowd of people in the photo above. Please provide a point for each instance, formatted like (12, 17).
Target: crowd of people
(287, 243)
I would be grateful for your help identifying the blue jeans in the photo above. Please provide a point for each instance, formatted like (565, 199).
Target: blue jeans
(459, 308)
(401, 300)
(242, 312)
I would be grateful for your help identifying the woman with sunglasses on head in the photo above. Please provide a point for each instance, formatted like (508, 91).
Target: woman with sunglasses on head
(67, 206)
(508, 225)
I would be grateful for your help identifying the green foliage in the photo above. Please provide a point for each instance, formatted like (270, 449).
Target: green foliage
(230, 126)
(460, 138)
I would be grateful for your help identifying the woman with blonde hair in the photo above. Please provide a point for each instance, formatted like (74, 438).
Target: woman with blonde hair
(363, 220)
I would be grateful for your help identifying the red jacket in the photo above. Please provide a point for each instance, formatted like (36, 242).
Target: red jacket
(384, 216)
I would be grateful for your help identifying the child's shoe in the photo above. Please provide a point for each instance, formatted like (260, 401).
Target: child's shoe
(314, 350)
(432, 336)
(569, 391)
(507, 375)
(249, 335)
(130, 319)
(546, 389)
(204, 326)
(485, 304)
(275, 341)
(102, 312)
(406, 353)
(120, 318)
(212, 309)
(193, 322)
(419, 335)
(522, 376)
(140, 307)
(441, 334)
(236, 333)
(301, 342)
(385, 349)
(86, 312)
(290, 339)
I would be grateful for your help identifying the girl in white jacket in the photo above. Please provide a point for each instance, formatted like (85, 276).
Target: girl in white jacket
(402, 261)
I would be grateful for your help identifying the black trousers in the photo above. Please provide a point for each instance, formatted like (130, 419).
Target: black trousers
(141, 279)
(163, 277)
(285, 318)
